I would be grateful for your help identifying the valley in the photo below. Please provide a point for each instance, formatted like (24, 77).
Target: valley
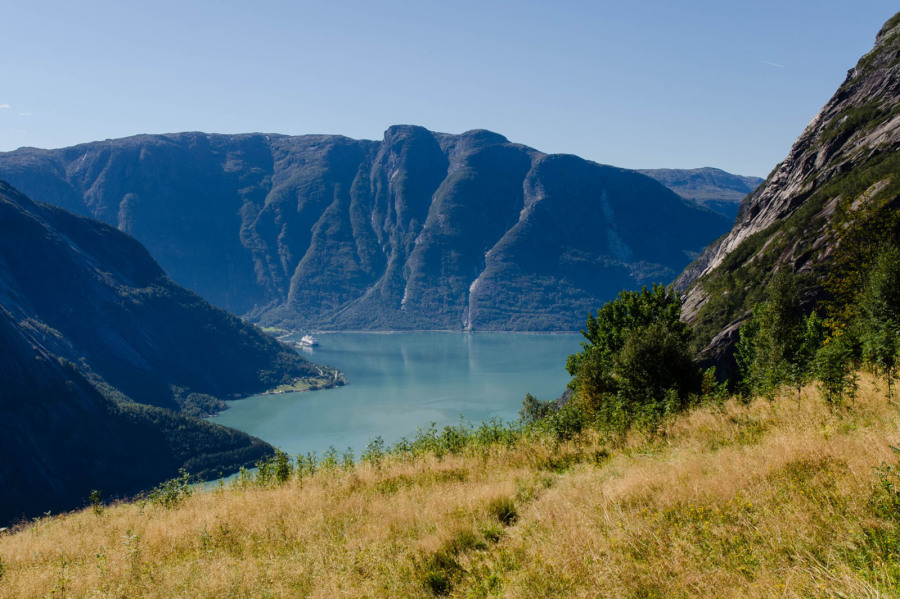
(731, 430)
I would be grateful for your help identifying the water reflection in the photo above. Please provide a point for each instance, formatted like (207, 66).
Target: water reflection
(402, 381)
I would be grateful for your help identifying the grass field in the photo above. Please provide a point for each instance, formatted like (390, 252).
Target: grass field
(776, 498)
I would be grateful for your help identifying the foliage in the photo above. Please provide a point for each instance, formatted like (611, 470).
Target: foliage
(835, 368)
(565, 423)
(879, 314)
(274, 470)
(171, 493)
(534, 409)
(711, 389)
(887, 502)
(374, 451)
(778, 344)
(96, 502)
(636, 364)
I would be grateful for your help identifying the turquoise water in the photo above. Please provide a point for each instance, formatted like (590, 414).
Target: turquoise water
(399, 382)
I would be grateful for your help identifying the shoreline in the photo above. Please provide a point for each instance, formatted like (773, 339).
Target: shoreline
(393, 331)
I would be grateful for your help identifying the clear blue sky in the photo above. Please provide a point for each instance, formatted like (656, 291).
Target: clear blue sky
(635, 84)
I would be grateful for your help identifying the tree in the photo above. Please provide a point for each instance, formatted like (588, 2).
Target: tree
(635, 363)
(879, 314)
(534, 409)
(778, 344)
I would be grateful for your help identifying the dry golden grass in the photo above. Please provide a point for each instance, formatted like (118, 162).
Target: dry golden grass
(770, 499)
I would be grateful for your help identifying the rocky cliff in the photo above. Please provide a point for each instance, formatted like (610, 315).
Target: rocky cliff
(418, 230)
(844, 163)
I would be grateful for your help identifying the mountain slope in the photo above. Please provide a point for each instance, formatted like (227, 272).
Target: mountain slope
(99, 351)
(842, 170)
(419, 230)
(60, 438)
(94, 296)
(710, 187)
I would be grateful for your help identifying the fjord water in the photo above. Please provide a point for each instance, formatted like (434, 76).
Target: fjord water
(398, 382)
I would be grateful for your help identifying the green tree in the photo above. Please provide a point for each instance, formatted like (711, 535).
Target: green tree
(778, 344)
(835, 367)
(635, 363)
(879, 315)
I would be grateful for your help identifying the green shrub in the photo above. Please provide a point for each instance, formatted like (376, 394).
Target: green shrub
(534, 409)
(636, 366)
(374, 451)
(171, 493)
(96, 502)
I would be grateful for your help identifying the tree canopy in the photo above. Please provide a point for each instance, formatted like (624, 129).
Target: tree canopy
(636, 362)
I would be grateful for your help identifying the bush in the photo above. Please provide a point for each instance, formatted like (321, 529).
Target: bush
(171, 493)
(534, 409)
(636, 364)
(374, 451)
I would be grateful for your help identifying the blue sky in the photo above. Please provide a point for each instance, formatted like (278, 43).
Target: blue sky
(640, 85)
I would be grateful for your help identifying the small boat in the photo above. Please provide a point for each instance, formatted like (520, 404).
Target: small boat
(309, 341)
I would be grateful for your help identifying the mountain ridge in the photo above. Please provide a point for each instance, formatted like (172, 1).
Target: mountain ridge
(418, 230)
(708, 186)
(843, 165)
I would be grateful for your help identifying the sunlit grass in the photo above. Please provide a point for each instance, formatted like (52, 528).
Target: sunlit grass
(769, 499)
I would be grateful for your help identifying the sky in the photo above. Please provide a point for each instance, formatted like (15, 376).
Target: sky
(642, 84)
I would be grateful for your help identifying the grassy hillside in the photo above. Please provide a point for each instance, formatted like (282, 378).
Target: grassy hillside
(767, 498)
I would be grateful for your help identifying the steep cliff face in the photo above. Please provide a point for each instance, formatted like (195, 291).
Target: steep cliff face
(846, 161)
(419, 230)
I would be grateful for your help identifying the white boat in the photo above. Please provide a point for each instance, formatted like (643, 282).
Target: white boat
(309, 341)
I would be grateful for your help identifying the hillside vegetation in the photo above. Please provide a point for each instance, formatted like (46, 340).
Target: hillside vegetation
(832, 204)
(791, 497)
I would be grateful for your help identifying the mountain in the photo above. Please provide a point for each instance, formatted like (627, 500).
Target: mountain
(60, 438)
(840, 178)
(710, 187)
(420, 230)
(103, 359)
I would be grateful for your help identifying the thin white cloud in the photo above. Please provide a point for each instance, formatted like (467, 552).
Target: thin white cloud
(773, 64)
(4, 106)
(24, 114)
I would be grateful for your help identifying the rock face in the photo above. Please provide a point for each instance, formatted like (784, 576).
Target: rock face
(710, 187)
(101, 357)
(845, 160)
(420, 230)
